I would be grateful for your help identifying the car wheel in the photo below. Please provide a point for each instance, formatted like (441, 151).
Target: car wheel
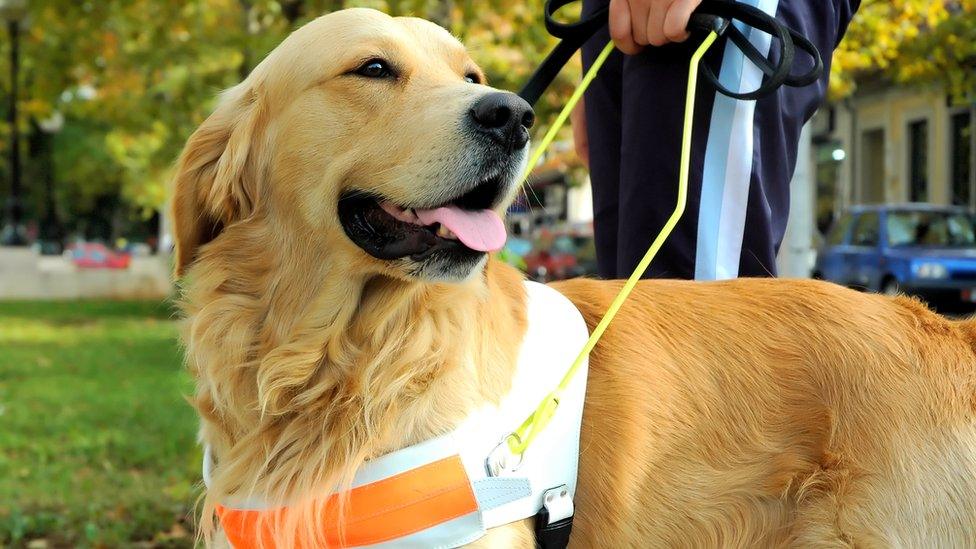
(890, 287)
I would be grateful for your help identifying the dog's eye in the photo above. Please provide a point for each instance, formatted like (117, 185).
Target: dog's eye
(472, 78)
(375, 68)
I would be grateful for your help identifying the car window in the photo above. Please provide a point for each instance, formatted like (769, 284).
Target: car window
(930, 228)
(840, 230)
(902, 228)
(866, 230)
(961, 231)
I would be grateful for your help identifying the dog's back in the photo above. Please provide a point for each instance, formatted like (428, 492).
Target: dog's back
(761, 412)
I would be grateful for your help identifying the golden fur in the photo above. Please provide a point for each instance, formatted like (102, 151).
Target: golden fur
(739, 414)
(759, 413)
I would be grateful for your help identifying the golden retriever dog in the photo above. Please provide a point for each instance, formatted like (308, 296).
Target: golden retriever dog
(332, 219)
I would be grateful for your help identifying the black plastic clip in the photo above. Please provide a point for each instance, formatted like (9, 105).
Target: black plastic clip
(557, 503)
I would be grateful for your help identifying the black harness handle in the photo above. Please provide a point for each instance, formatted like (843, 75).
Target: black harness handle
(710, 15)
(572, 37)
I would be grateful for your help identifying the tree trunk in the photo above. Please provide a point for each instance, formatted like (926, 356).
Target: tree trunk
(293, 10)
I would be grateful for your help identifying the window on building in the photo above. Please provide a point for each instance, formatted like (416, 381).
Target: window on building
(918, 161)
(829, 156)
(866, 230)
(960, 170)
(873, 166)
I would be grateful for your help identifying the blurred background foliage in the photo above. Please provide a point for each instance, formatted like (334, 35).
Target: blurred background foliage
(133, 78)
(909, 42)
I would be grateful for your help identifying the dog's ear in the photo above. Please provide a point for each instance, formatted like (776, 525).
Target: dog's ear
(218, 174)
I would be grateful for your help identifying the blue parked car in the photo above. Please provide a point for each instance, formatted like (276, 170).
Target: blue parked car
(919, 249)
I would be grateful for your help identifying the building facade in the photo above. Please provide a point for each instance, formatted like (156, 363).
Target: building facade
(895, 145)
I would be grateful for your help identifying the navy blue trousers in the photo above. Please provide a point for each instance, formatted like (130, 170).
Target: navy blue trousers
(743, 152)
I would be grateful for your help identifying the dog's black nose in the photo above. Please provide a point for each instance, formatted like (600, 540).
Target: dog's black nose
(505, 117)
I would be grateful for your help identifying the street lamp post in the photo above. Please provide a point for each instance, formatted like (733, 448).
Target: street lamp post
(51, 235)
(13, 12)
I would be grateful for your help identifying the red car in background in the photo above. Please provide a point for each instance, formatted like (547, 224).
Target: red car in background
(557, 256)
(92, 255)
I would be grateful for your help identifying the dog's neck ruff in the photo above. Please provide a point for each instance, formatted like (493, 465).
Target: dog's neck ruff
(448, 491)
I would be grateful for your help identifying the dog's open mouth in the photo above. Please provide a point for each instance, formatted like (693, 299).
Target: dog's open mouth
(466, 225)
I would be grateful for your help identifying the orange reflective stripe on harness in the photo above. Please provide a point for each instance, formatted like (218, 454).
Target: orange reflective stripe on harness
(380, 511)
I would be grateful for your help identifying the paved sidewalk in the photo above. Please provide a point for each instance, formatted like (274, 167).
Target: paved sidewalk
(26, 275)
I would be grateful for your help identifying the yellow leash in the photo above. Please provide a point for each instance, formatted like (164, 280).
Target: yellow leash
(521, 438)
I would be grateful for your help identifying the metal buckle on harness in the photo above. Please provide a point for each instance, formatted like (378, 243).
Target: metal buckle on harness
(502, 459)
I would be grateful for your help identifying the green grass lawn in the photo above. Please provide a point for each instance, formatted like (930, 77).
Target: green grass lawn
(97, 444)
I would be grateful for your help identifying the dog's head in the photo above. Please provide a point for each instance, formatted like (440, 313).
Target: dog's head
(375, 134)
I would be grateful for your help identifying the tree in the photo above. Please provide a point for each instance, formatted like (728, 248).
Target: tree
(910, 41)
(135, 77)
(129, 80)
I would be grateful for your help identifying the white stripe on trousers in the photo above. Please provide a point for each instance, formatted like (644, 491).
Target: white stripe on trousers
(720, 247)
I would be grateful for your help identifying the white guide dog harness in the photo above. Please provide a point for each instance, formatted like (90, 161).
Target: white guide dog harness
(447, 491)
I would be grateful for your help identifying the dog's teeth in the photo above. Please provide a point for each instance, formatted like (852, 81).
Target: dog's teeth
(409, 216)
(444, 232)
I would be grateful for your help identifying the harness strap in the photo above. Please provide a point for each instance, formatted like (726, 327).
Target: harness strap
(573, 35)
(520, 439)
(554, 523)
(553, 535)
(389, 509)
(712, 16)
(448, 491)
(378, 512)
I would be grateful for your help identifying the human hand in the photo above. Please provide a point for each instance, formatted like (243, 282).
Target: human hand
(577, 119)
(638, 23)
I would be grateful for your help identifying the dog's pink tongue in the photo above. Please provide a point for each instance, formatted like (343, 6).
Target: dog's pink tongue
(480, 230)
